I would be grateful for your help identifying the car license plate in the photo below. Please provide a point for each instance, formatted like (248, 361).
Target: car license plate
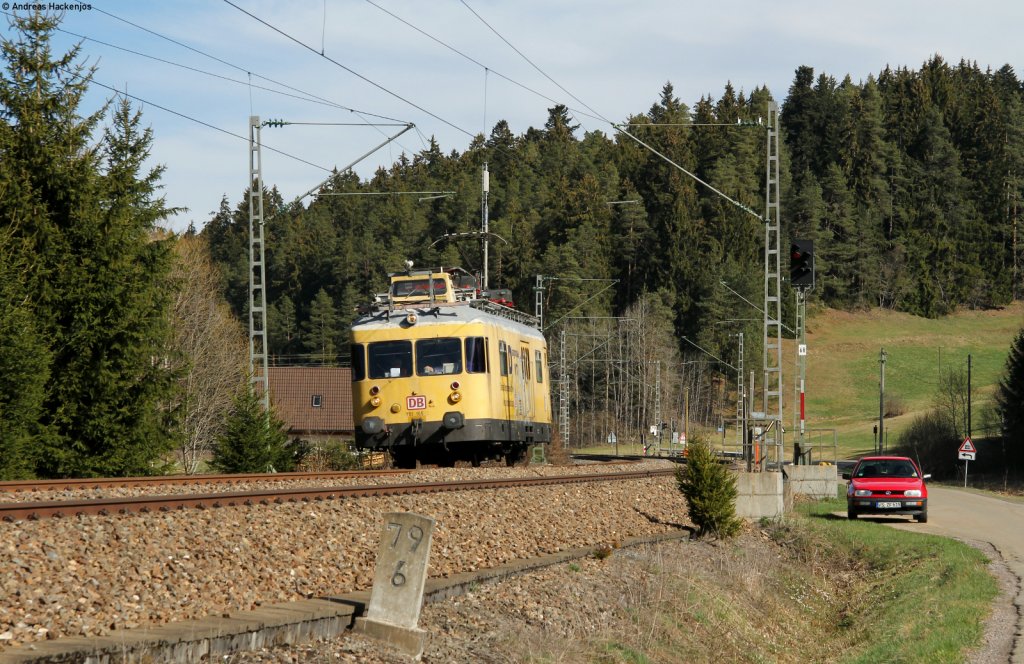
(883, 506)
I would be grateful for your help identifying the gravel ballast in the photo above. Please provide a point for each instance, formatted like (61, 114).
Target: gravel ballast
(89, 575)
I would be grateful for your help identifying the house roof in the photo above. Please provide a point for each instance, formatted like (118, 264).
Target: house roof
(292, 392)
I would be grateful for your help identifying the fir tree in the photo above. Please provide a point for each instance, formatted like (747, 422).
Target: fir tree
(710, 491)
(1010, 402)
(253, 441)
(96, 280)
(24, 366)
(322, 328)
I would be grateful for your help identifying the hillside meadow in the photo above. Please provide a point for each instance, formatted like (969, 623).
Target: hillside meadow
(842, 388)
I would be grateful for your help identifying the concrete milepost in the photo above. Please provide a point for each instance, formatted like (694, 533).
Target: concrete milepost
(398, 582)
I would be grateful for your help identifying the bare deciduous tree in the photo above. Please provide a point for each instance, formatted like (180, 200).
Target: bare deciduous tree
(209, 347)
(951, 398)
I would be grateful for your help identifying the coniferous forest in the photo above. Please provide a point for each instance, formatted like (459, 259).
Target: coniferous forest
(909, 183)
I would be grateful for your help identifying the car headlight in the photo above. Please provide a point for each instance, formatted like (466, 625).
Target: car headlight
(912, 493)
(862, 492)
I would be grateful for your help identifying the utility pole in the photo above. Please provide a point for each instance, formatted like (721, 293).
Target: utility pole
(484, 216)
(563, 393)
(773, 287)
(258, 372)
(741, 413)
(968, 395)
(881, 401)
(801, 361)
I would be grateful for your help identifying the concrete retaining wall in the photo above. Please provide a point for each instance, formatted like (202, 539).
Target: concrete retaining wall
(759, 495)
(817, 482)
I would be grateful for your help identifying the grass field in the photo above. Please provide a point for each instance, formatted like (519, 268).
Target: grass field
(842, 387)
(842, 390)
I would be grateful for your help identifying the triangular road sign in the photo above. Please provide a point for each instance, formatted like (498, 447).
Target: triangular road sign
(968, 446)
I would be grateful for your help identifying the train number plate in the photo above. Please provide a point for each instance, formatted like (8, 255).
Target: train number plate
(416, 402)
(884, 506)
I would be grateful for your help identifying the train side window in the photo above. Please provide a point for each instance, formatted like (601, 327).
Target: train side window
(540, 366)
(525, 358)
(503, 357)
(476, 355)
(391, 359)
(438, 356)
(358, 362)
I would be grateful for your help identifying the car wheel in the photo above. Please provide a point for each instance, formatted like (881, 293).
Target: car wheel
(922, 517)
(851, 513)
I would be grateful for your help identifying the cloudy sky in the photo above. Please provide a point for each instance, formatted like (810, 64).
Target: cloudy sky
(200, 68)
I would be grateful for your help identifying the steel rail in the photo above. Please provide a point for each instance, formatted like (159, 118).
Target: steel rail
(149, 504)
(126, 482)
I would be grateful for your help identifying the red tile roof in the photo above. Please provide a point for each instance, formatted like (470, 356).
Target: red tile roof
(291, 394)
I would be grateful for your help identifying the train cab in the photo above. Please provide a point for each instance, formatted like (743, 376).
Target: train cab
(442, 373)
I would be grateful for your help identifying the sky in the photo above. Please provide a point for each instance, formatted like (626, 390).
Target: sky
(199, 69)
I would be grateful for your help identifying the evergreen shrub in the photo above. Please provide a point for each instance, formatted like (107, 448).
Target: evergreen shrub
(710, 491)
(253, 441)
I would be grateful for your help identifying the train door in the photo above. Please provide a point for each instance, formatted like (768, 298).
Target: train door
(505, 383)
(524, 384)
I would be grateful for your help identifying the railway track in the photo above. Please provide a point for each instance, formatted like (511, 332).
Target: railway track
(15, 511)
(198, 480)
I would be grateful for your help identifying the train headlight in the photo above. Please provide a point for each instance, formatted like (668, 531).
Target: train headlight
(455, 397)
(411, 318)
(455, 385)
(372, 425)
(375, 402)
(374, 391)
(453, 420)
(395, 408)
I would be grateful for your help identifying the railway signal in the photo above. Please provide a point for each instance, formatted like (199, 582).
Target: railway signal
(801, 263)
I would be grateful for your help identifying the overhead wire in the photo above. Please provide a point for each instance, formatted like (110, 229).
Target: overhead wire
(615, 126)
(303, 97)
(350, 70)
(242, 69)
(532, 64)
(122, 93)
(470, 58)
(306, 96)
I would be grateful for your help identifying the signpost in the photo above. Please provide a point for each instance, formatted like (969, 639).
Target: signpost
(967, 453)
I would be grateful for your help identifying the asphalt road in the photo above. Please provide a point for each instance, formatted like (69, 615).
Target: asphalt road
(981, 518)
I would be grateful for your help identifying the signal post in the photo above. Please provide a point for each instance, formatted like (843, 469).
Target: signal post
(801, 278)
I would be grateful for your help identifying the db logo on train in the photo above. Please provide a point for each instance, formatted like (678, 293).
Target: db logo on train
(416, 402)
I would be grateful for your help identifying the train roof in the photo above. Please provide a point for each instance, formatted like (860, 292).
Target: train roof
(469, 311)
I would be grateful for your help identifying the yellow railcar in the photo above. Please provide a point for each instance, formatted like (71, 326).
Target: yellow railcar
(441, 375)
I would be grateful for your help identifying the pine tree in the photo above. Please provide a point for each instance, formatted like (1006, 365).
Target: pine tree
(24, 366)
(1010, 403)
(710, 491)
(321, 329)
(97, 278)
(253, 441)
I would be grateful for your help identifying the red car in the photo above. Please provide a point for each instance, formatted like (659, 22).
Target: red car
(887, 485)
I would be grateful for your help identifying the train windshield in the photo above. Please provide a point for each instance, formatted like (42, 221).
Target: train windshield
(438, 356)
(417, 288)
(391, 359)
(358, 362)
(476, 355)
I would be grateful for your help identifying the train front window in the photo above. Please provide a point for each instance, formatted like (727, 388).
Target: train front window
(438, 356)
(358, 362)
(391, 359)
(476, 355)
(417, 288)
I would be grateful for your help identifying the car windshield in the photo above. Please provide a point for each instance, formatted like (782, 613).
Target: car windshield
(886, 468)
